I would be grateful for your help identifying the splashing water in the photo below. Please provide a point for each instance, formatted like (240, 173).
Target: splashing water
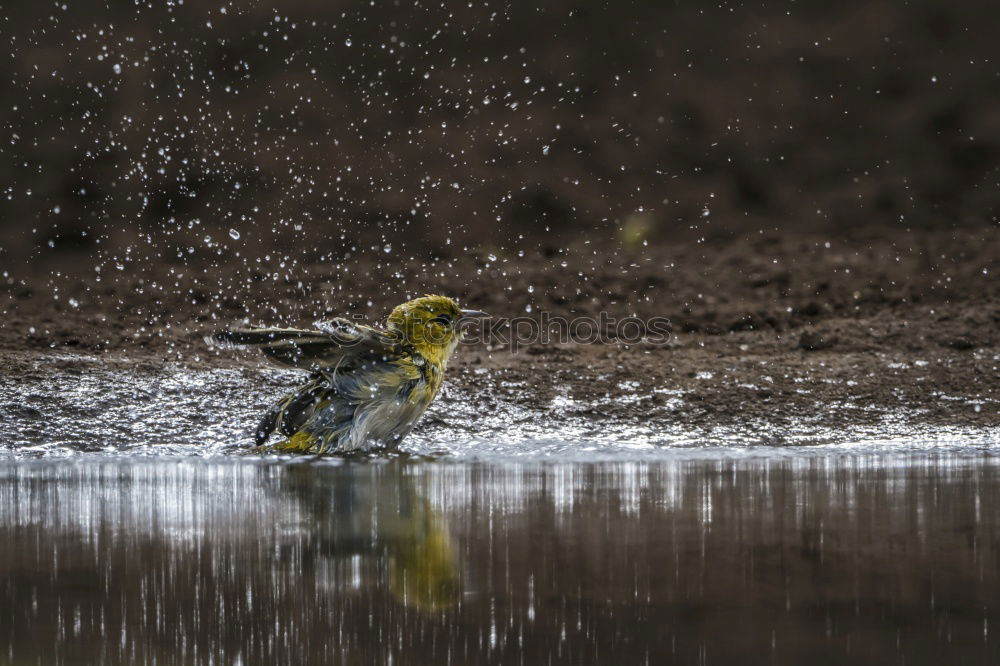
(64, 406)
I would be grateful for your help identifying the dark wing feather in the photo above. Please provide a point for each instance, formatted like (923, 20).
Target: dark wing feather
(289, 413)
(336, 343)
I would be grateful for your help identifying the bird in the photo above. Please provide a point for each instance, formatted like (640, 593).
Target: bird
(368, 385)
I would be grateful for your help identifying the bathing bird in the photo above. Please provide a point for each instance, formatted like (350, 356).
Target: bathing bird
(368, 385)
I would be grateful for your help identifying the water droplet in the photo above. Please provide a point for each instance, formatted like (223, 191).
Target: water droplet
(235, 235)
(348, 42)
(117, 68)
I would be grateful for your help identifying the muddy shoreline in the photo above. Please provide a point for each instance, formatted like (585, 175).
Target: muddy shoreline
(772, 337)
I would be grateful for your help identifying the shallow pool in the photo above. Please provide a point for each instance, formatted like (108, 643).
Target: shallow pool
(779, 556)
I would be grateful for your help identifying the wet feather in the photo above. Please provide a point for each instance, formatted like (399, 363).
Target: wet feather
(368, 385)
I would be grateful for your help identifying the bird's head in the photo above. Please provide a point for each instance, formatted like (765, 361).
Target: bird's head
(432, 324)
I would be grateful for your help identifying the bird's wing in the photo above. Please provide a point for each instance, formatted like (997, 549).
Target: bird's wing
(333, 344)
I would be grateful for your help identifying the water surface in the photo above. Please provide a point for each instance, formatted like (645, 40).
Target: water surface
(776, 557)
(62, 406)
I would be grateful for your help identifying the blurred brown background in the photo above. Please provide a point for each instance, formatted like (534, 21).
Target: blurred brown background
(305, 128)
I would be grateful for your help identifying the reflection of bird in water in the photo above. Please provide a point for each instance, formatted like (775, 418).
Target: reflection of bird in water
(378, 514)
(424, 572)
(369, 385)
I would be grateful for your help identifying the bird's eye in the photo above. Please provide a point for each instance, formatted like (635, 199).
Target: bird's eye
(444, 320)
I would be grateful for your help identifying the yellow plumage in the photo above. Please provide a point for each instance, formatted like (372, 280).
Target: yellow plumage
(369, 385)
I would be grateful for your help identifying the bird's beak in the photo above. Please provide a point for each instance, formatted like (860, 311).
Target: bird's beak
(473, 314)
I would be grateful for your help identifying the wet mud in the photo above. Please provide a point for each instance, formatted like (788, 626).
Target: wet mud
(774, 340)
